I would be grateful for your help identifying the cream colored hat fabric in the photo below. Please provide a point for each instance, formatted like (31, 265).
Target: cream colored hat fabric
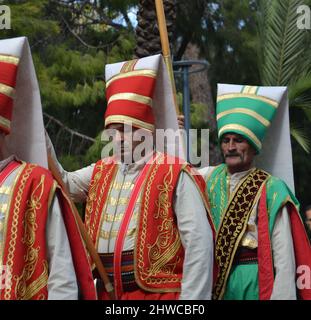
(26, 139)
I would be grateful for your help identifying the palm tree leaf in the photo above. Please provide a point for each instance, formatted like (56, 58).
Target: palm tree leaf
(301, 137)
(281, 41)
(299, 92)
(307, 112)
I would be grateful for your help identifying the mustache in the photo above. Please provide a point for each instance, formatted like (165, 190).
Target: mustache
(228, 155)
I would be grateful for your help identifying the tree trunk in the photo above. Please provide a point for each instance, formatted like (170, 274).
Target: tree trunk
(147, 32)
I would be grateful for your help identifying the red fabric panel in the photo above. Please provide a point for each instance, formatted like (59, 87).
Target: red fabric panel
(8, 73)
(265, 261)
(78, 252)
(149, 230)
(6, 106)
(4, 129)
(28, 186)
(131, 109)
(302, 249)
(137, 84)
(8, 170)
(105, 169)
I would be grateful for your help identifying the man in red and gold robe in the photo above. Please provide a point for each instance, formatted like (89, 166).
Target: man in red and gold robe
(42, 255)
(145, 211)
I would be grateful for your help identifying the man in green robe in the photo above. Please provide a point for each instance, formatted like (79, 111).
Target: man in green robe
(261, 243)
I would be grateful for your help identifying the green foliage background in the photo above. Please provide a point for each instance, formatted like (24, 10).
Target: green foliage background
(70, 54)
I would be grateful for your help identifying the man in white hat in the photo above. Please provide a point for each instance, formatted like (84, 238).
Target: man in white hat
(145, 213)
(261, 243)
(42, 255)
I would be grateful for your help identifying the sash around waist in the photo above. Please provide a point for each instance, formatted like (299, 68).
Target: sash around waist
(127, 270)
(245, 256)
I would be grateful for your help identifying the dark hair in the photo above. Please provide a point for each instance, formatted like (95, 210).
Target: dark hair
(308, 208)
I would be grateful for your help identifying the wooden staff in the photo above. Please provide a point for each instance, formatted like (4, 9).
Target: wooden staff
(167, 56)
(166, 47)
(88, 242)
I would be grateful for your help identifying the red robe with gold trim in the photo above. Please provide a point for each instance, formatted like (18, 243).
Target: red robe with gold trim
(158, 251)
(25, 249)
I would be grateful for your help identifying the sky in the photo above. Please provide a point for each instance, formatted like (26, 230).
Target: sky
(132, 16)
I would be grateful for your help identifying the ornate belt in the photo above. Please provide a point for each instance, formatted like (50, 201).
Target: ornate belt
(245, 256)
(127, 270)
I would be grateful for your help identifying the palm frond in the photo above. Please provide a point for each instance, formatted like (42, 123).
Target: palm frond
(299, 93)
(307, 112)
(263, 21)
(301, 137)
(281, 41)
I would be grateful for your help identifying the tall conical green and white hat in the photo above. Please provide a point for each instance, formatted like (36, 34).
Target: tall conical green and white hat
(250, 112)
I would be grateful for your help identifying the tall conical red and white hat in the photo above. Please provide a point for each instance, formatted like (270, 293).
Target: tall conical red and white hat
(139, 93)
(21, 117)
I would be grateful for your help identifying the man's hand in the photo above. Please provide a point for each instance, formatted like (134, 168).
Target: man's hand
(181, 121)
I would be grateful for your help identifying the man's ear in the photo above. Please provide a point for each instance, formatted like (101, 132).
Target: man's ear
(254, 151)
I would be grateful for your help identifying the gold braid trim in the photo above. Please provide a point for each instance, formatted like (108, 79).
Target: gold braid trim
(162, 250)
(144, 72)
(94, 200)
(33, 205)
(9, 59)
(31, 259)
(129, 96)
(234, 224)
(5, 122)
(92, 196)
(128, 66)
(109, 178)
(23, 290)
(7, 90)
(230, 96)
(38, 284)
(10, 201)
(14, 227)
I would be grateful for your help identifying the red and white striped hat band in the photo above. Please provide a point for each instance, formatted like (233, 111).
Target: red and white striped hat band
(8, 73)
(129, 95)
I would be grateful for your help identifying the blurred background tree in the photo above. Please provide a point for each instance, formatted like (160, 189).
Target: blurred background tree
(245, 41)
(284, 59)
